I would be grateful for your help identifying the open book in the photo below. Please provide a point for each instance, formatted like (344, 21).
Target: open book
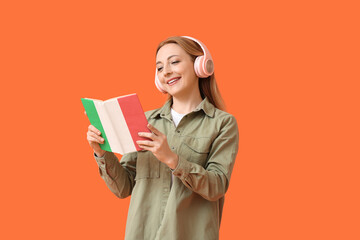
(119, 120)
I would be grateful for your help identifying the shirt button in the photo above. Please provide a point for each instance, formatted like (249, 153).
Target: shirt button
(172, 148)
(102, 162)
(178, 131)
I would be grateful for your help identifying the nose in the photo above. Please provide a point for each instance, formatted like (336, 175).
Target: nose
(167, 69)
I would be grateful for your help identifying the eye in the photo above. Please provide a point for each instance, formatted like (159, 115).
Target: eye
(174, 62)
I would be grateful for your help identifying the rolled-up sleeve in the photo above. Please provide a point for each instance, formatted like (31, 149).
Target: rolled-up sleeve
(118, 176)
(212, 181)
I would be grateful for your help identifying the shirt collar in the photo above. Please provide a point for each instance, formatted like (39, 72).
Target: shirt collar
(205, 106)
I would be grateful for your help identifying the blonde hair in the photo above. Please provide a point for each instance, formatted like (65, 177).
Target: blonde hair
(208, 87)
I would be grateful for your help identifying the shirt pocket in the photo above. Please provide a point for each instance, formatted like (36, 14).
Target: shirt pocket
(196, 150)
(147, 166)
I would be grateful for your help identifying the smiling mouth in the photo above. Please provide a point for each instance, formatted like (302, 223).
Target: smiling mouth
(173, 81)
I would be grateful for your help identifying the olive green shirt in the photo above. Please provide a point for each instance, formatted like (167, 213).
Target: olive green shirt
(206, 141)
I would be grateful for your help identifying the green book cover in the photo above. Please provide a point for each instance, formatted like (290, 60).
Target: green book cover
(95, 121)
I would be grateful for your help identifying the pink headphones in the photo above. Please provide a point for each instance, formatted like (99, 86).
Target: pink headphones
(203, 65)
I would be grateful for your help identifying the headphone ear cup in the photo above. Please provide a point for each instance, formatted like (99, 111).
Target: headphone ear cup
(203, 65)
(158, 84)
(197, 66)
(200, 72)
(209, 67)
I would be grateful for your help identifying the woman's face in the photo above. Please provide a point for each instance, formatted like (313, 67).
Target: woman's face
(176, 70)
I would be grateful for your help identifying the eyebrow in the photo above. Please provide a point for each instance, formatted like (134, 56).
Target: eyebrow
(167, 58)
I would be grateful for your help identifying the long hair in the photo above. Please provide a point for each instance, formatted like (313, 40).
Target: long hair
(208, 87)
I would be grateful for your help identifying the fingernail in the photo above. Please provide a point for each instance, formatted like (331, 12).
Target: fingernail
(99, 133)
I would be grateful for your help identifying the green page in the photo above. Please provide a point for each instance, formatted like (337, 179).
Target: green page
(95, 121)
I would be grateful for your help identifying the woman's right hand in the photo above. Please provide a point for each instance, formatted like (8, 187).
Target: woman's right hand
(94, 139)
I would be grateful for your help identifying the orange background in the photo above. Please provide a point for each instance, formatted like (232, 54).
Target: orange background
(288, 71)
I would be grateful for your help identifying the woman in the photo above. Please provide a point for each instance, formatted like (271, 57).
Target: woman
(179, 181)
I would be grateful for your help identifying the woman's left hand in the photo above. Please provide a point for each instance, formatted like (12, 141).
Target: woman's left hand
(159, 146)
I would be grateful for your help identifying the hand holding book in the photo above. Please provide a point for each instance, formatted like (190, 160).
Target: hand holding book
(94, 139)
(157, 144)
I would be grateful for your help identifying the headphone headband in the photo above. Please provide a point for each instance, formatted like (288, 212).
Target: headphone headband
(203, 47)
